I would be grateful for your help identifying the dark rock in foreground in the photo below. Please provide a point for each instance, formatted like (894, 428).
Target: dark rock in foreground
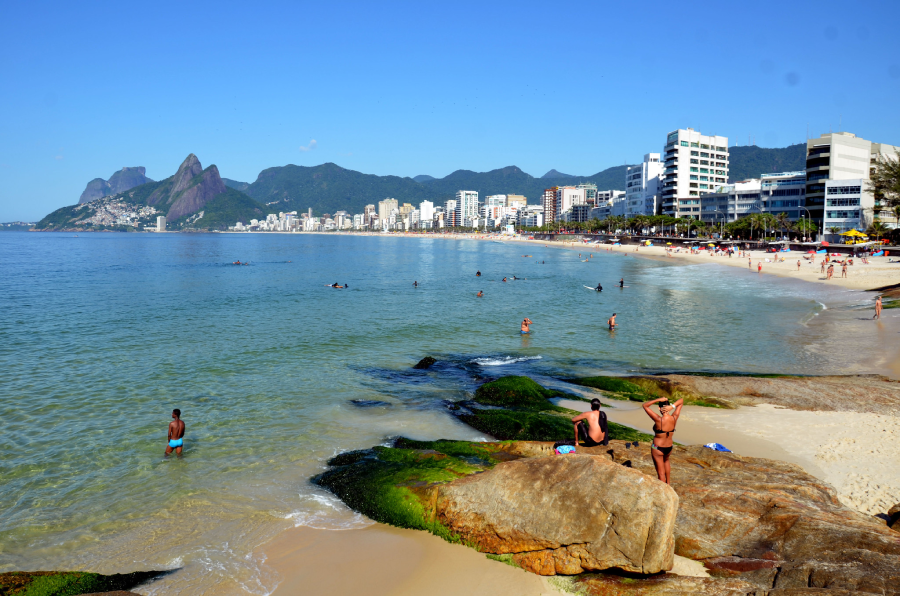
(71, 583)
(425, 362)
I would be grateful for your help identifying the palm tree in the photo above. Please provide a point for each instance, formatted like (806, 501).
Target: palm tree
(834, 230)
(784, 221)
(877, 229)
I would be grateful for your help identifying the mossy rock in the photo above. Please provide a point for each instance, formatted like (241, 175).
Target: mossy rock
(507, 425)
(517, 392)
(69, 583)
(643, 389)
(393, 486)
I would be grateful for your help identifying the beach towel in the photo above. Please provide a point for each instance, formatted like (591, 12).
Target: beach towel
(563, 449)
(717, 447)
(880, 253)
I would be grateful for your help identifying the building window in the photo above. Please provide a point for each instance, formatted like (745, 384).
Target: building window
(704, 178)
(720, 172)
(684, 143)
(703, 162)
(704, 155)
(693, 177)
(704, 186)
(693, 169)
(842, 202)
(695, 161)
(695, 145)
(695, 153)
(704, 171)
(704, 146)
(721, 148)
(843, 190)
(693, 193)
(693, 185)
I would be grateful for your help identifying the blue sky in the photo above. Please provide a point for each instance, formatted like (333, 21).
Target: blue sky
(421, 87)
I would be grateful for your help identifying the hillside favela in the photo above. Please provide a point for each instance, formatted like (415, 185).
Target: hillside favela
(281, 317)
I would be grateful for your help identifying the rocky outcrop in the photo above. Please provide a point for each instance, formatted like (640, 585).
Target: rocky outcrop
(426, 362)
(188, 190)
(564, 515)
(771, 523)
(663, 585)
(893, 520)
(124, 179)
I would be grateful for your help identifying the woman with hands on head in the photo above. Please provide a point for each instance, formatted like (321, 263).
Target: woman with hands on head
(663, 429)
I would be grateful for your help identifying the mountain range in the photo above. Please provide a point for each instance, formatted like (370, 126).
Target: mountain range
(193, 197)
(328, 188)
(124, 179)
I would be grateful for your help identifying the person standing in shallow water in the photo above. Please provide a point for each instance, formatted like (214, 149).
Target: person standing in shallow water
(176, 434)
(663, 429)
(877, 308)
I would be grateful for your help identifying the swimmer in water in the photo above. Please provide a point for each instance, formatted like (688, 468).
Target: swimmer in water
(415, 284)
(504, 279)
(599, 288)
(478, 274)
(622, 283)
(480, 294)
(526, 326)
(612, 322)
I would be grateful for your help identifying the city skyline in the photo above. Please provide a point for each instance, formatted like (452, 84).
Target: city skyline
(369, 89)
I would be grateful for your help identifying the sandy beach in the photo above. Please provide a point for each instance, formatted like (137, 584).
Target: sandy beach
(853, 451)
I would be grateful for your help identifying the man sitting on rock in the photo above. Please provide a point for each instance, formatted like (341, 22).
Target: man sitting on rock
(591, 426)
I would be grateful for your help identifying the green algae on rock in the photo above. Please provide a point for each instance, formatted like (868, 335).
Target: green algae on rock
(646, 388)
(517, 392)
(69, 583)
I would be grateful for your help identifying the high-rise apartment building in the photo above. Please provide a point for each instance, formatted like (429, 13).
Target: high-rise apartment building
(590, 192)
(161, 223)
(566, 198)
(467, 203)
(548, 202)
(384, 211)
(835, 162)
(451, 214)
(426, 211)
(516, 201)
(694, 164)
(642, 186)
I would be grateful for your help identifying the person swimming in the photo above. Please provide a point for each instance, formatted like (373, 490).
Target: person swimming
(622, 283)
(478, 274)
(504, 279)
(599, 288)
(480, 294)
(415, 284)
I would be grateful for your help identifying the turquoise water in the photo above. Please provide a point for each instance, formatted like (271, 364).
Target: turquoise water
(102, 335)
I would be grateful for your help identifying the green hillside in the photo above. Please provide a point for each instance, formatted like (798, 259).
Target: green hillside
(328, 188)
(225, 210)
(752, 161)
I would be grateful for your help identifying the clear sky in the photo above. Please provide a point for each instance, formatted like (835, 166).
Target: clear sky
(421, 87)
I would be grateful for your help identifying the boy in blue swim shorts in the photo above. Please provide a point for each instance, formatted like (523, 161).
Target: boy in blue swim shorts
(176, 434)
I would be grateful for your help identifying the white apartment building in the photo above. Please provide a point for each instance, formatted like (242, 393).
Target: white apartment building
(161, 223)
(846, 202)
(495, 200)
(451, 214)
(531, 216)
(695, 164)
(642, 186)
(844, 159)
(426, 211)
(566, 198)
(467, 203)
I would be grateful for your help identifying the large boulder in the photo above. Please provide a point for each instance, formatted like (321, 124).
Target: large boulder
(771, 523)
(894, 517)
(664, 585)
(564, 515)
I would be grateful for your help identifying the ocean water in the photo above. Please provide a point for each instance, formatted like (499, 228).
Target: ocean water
(101, 335)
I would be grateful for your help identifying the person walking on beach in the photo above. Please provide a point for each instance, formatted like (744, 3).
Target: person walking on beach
(798, 264)
(663, 429)
(759, 267)
(176, 434)
(823, 265)
(526, 325)
(844, 269)
(591, 427)
(750, 263)
(830, 272)
(612, 322)
(877, 308)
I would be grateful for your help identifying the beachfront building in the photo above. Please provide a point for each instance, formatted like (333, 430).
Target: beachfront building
(642, 186)
(531, 216)
(516, 201)
(590, 192)
(451, 213)
(384, 211)
(548, 202)
(695, 164)
(426, 211)
(566, 198)
(846, 202)
(843, 160)
(467, 204)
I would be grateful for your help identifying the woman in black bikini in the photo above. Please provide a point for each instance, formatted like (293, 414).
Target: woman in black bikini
(663, 429)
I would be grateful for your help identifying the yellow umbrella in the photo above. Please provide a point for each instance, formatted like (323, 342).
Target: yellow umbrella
(854, 233)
